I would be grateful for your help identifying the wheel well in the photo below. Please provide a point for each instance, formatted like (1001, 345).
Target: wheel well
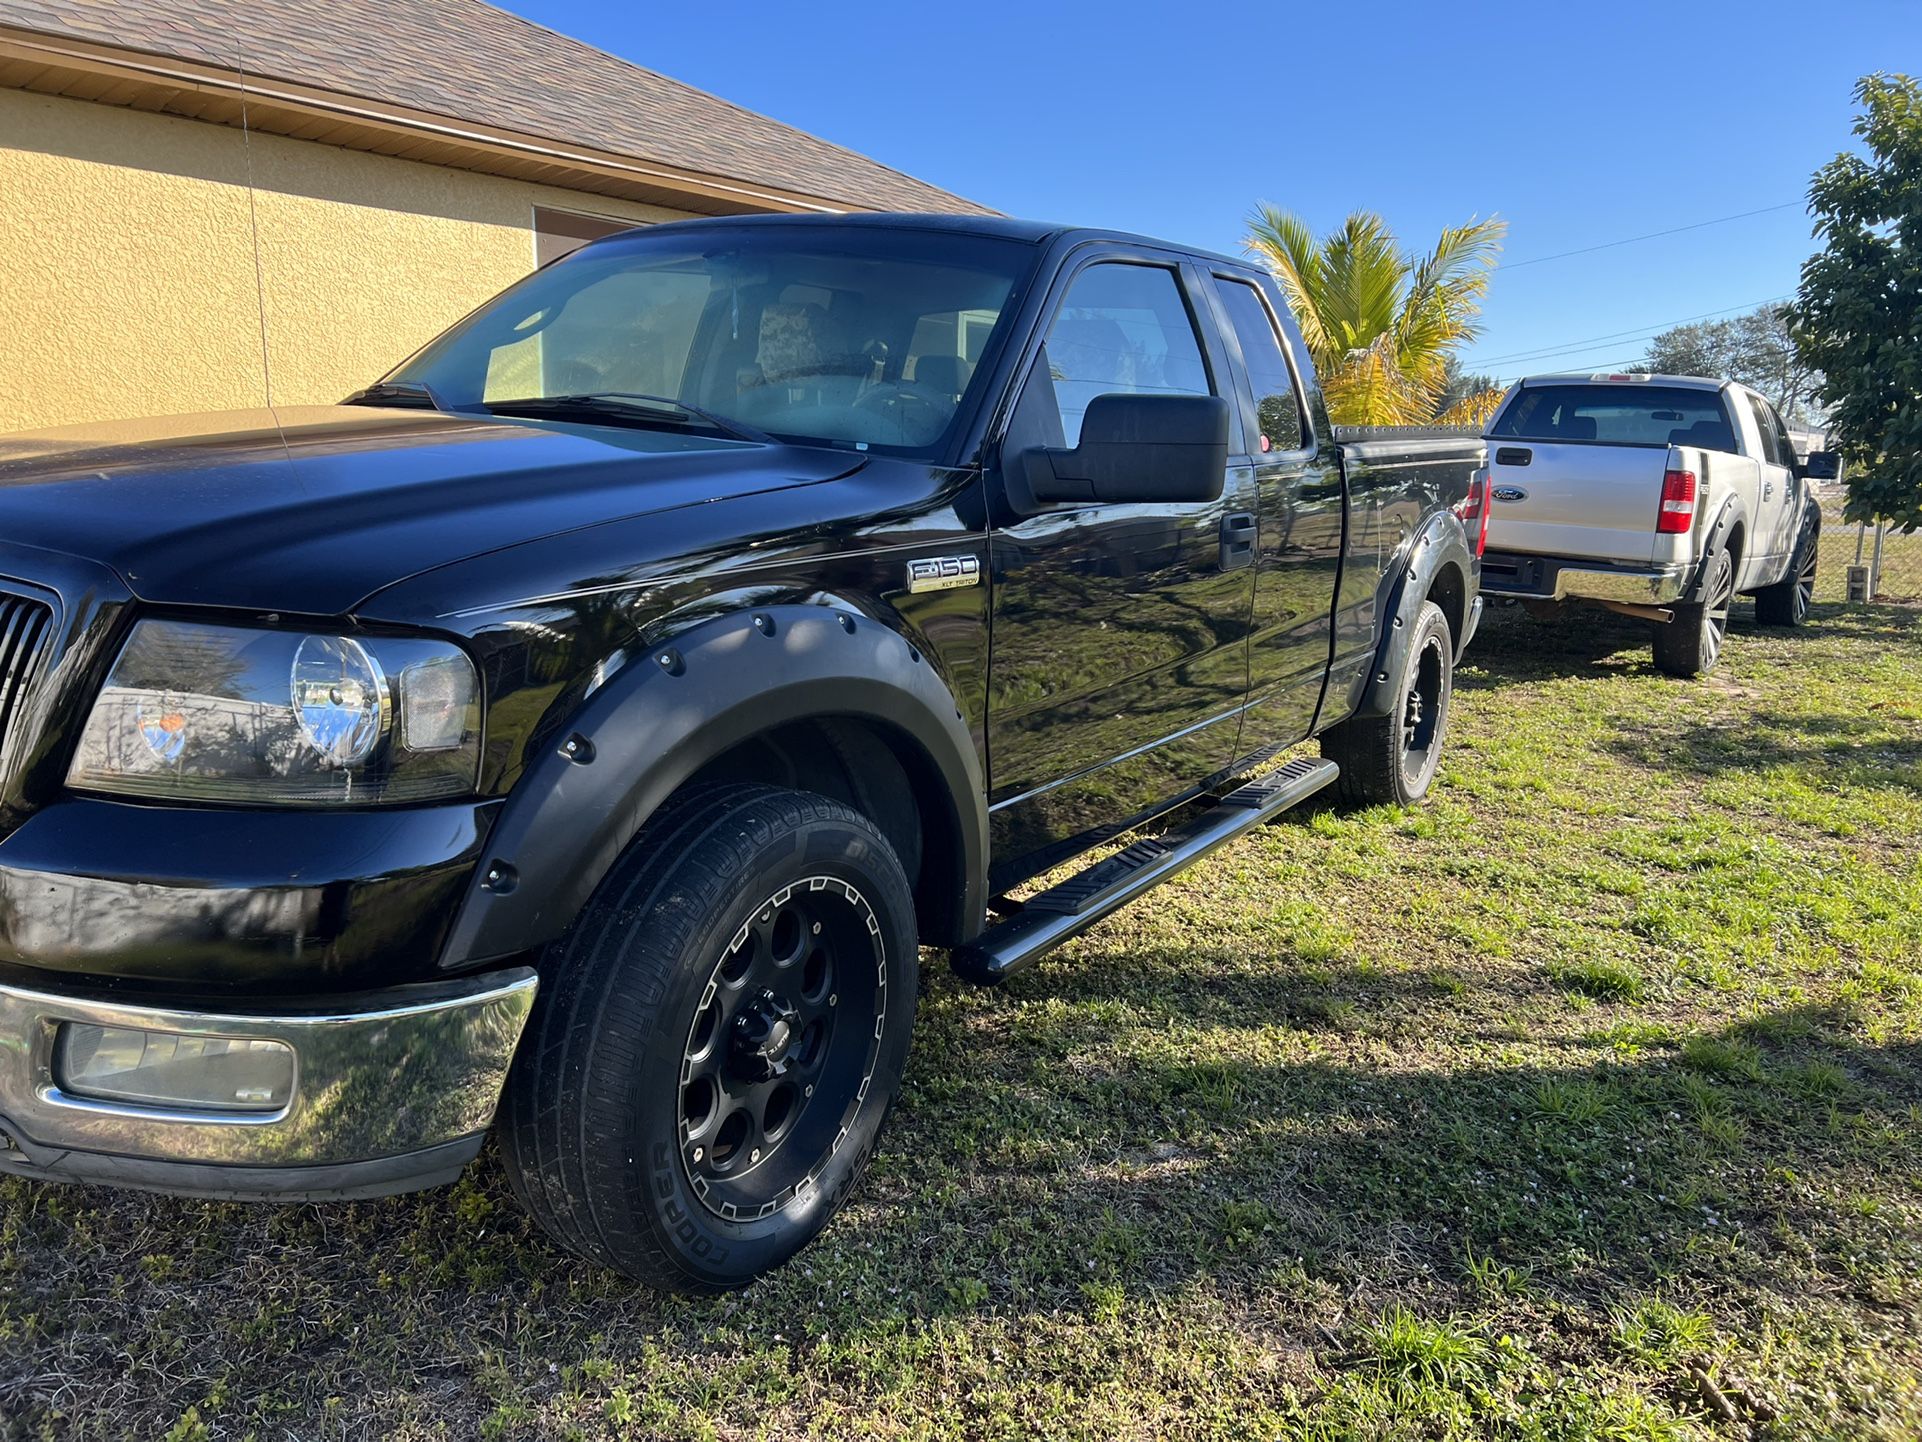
(1449, 591)
(883, 774)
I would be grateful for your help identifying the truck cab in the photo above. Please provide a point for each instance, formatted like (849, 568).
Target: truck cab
(578, 732)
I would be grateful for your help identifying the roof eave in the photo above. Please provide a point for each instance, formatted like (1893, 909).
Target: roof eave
(59, 65)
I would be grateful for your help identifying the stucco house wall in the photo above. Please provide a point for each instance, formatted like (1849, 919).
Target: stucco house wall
(128, 261)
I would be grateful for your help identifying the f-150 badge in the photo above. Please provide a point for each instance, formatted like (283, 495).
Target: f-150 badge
(943, 573)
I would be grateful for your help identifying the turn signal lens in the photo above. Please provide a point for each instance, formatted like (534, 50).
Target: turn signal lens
(167, 1069)
(1677, 515)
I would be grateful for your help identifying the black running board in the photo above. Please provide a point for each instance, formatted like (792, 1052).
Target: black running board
(1070, 907)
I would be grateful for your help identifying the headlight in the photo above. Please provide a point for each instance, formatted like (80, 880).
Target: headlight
(221, 713)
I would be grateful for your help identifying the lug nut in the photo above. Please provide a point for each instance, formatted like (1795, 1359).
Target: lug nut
(817, 928)
(699, 1152)
(755, 1155)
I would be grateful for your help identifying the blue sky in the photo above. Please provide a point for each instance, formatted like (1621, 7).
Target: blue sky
(1580, 124)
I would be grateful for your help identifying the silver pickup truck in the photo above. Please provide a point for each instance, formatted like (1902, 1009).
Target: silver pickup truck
(1662, 497)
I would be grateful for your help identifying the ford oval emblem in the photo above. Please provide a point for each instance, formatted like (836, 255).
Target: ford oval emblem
(1510, 493)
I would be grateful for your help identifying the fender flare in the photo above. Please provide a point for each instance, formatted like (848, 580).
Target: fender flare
(1715, 536)
(667, 713)
(1440, 541)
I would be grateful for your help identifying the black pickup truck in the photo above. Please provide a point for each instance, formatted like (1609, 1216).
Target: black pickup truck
(651, 665)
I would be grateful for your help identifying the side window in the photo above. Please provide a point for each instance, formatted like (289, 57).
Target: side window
(1122, 328)
(1765, 428)
(1783, 445)
(1277, 409)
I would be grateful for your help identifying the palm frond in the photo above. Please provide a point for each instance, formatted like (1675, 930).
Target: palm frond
(1476, 410)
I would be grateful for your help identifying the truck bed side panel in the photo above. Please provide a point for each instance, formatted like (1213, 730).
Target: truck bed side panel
(1392, 487)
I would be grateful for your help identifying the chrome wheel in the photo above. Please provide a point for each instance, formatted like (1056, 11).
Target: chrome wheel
(1718, 595)
(1805, 579)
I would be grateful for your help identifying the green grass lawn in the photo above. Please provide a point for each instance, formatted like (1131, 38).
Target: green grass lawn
(1585, 1102)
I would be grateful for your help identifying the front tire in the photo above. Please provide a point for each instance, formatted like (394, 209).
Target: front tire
(1391, 760)
(1788, 601)
(1691, 643)
(719, 1038)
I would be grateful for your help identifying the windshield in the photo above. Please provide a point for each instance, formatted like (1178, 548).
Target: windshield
(868, 339)
(1623, 415)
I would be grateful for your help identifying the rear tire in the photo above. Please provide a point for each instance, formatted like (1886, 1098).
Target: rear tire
(1788, 601)
(1691, 643)
(1391, 760)
(718, 1039)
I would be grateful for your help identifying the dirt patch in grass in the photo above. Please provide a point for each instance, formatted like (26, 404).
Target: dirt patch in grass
(1584, 1102)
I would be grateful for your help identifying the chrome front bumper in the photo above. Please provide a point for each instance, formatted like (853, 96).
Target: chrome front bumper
(392, 1090)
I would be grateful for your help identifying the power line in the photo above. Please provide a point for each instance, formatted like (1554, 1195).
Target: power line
(1642, 332)
(1652, 235)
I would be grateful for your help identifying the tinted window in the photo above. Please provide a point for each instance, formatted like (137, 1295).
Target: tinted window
(1277, 412)
(1765, 429)
(1626, 414)
(865, 339)
(1121, 328)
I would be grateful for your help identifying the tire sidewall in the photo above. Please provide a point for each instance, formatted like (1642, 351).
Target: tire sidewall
(644, 1072)
(1431, 628)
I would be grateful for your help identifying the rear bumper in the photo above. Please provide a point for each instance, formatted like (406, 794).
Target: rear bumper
(1558, 578)
(392, 1091)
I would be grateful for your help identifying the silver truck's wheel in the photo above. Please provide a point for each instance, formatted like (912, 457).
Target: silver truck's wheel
(1691, 643)
(1788, 601)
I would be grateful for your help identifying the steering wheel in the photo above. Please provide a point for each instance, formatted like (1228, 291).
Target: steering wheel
(917, 412)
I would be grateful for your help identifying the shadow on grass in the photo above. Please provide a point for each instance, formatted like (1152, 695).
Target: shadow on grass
(1072, 1146)
(1823, 751)
(1512, 645)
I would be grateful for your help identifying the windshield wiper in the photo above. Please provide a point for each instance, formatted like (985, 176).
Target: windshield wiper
(631, 407)
(417, 395)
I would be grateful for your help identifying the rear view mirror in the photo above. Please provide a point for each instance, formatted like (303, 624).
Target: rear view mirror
(1822, 465)
(1136, 448)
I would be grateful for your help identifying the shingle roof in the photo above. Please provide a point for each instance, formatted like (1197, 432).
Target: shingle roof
(472, 62)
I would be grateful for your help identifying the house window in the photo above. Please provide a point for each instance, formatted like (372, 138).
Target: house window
(560, 232)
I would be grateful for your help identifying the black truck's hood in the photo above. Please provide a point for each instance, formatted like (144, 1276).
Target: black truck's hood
(335, 502)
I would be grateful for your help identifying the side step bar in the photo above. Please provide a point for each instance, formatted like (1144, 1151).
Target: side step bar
(1069, 908)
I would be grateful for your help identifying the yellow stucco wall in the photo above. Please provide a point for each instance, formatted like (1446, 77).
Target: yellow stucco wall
(127, 261)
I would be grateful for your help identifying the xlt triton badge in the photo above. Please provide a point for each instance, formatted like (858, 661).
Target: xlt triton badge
(943, 573)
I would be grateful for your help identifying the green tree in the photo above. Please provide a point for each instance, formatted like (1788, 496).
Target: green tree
(1463, 389)
(1380, 322)
(1755, 349)
(1858, 318)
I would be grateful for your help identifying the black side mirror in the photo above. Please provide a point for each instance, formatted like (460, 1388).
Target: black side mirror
(1135, 448)
(1822, 466)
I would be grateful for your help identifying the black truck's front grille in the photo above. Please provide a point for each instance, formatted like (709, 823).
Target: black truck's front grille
(26, 625)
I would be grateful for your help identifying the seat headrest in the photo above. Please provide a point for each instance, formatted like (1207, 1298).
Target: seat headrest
(790, 340)
(1704, 435)
(1578, 428)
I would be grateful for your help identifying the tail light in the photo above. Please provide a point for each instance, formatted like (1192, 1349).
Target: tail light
(1474, 511)
(1677, 515)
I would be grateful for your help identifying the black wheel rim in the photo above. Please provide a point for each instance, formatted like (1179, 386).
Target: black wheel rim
(782, 1048)
(1424, 710)
(1721, 594)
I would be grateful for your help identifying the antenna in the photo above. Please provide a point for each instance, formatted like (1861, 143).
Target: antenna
(260, 280)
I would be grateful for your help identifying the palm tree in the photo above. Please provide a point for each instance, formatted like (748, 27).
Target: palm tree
(1380, 322)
